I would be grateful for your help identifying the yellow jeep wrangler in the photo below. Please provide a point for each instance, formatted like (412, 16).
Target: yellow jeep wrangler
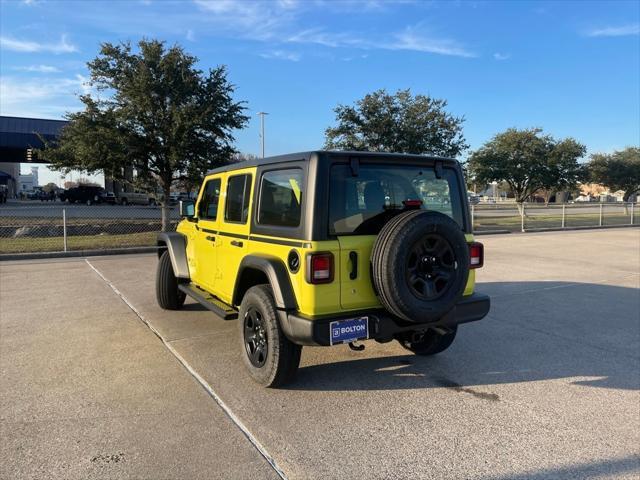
(324, 248)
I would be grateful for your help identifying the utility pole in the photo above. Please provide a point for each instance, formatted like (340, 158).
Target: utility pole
(261, 115)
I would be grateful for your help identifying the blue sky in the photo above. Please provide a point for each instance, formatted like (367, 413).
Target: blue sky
(572, 68)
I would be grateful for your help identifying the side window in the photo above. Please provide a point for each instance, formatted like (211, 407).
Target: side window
(208, 206)
(237, 203)
(281, 198)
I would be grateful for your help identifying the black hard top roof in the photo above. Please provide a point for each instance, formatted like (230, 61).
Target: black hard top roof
(326, 155)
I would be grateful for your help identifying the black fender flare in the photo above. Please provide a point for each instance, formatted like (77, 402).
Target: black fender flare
(278, 276)
(176, 244)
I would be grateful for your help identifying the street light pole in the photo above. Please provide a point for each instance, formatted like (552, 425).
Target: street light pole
(262, 114)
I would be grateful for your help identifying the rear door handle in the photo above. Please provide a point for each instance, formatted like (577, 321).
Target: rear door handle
(353, 256)
(236, 243)
(211, 238)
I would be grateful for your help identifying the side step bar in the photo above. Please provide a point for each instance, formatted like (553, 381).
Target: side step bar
(217, 306)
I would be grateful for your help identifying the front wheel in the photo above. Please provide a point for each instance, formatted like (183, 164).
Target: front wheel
(167, 293)
(270, 357)
(429, 343)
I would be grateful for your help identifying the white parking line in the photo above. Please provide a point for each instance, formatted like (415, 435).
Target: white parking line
(243, 428)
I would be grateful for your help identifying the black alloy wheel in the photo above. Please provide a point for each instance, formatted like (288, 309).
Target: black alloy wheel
(431, 267)
(255, 337)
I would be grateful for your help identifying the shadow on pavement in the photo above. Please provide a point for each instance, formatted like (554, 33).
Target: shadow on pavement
(535, 331)
(611, 467)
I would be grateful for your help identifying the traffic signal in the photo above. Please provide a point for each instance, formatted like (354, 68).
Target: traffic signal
(29, 155)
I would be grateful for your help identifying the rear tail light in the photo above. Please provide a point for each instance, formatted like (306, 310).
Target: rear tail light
(476, 255)
(320, 268)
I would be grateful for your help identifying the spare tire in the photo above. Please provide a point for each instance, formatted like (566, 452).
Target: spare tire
(420, 265)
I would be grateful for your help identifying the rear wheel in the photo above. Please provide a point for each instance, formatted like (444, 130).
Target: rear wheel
(429, 343)
(167, 293)
(270, 357)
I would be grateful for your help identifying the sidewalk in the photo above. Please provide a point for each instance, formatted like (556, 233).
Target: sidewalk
(88, 391)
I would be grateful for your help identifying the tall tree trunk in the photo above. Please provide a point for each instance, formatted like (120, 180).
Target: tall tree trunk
(625, 199)
(166, 208)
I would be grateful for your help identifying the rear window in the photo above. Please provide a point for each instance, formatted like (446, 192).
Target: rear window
(361, 205)
(281, 198)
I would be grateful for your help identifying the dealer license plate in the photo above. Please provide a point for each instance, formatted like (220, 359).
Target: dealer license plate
(345, 331)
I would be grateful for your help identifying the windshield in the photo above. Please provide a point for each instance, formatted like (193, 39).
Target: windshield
(362, 204)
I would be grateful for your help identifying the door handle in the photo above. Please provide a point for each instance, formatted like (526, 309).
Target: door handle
(211, 238)
(353, 256)
(236, 243)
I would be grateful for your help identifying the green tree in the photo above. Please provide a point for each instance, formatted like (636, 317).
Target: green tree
(381, 122)
(563, 171)
(153, 111)
(50, 187)
(619, 170)
(528, 161)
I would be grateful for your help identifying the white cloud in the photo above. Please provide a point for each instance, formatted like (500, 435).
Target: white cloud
(191, 36)
(83, 83)
(411, 39)
(38, 69)
(31, 97)
(282, 55)
(28, 46)
(255, 19)
(619, 31)
(501, 56)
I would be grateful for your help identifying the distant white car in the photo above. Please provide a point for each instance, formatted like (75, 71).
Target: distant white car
(473, 198)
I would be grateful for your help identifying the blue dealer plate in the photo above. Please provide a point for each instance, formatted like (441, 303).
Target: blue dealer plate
(345, 331)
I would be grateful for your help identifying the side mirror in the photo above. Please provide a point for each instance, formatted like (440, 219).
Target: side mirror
(187, 208)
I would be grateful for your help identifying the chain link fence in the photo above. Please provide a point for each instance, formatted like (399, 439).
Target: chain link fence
(536, 216)
(32, 226)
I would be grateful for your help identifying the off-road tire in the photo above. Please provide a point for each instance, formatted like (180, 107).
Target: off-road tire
(282, 355)
(390, 256)
(167, 293)
(431, 343)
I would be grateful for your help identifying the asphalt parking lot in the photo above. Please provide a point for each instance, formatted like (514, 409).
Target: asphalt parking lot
(547, 386)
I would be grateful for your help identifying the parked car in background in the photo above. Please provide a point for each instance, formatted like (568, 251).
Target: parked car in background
(88, 194)
(473, 198)
(32, 194)
(187, 196)
(110, 198)
(137, 197)
(47, 196)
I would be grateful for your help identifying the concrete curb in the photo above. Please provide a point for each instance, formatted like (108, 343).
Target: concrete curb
(560, 229)
(77, 253)
(492, 232)
(553, 229)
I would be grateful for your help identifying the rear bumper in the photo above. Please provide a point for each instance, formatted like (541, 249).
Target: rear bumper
(382, 326)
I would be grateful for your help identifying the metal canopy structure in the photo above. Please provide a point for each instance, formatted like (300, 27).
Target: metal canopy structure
(18, 135)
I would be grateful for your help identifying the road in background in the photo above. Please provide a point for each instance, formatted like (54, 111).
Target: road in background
(547, 386)
(32, 209)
